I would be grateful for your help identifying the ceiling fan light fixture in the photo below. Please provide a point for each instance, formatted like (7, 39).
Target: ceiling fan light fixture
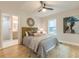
(44, 10)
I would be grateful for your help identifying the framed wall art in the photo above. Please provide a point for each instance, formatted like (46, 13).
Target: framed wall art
(71, 24)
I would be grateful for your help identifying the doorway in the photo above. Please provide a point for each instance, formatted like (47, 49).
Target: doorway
(9, 30)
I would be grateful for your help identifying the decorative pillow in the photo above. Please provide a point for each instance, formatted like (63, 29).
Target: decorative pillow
(26, 33)
(30, 33)
(37, 34)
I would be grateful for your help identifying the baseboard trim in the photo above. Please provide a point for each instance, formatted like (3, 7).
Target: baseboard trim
(8, 46)
(71, 43)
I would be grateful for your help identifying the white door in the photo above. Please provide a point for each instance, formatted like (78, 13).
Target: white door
(6, 33)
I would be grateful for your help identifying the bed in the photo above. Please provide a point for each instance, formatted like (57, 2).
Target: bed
(40, 44)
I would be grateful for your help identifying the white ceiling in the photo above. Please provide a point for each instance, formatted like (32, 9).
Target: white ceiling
(32, 7)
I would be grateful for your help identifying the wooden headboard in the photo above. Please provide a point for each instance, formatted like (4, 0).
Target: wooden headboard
(27, 29)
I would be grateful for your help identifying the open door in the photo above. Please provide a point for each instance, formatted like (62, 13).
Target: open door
(6, 28)
(15, 27)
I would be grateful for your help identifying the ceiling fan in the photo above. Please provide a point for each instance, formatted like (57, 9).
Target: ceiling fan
(43, 7)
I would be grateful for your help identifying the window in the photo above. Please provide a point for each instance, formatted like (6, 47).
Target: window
(52, 26)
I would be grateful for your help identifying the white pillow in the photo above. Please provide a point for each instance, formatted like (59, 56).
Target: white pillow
(26, 33)
(37, 34)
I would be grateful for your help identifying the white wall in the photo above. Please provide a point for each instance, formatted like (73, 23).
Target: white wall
(23, 20)
(0, 31)
(64, 37)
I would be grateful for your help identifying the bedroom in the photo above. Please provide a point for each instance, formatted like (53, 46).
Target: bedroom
(41, 20)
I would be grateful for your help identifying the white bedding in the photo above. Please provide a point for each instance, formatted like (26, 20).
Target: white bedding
(44, 42)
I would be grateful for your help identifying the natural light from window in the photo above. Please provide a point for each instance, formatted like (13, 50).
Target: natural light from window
(52, 26)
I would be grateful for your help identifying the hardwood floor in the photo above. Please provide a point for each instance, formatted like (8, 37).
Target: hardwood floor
(17, 51)
(61, 51)
(64, 51)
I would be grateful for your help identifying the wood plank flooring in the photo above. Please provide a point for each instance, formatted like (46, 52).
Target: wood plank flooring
(20, 51)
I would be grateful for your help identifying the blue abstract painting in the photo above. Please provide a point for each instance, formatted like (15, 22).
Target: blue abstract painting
(71, 24)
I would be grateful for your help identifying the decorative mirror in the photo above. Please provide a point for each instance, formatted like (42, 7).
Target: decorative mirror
(30, 22)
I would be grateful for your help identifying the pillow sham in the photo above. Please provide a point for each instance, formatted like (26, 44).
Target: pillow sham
(26, 33)
(30, 33)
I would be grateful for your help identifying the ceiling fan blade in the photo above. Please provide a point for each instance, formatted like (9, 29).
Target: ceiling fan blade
(49, 8)
(44, 4)
(41, 2)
